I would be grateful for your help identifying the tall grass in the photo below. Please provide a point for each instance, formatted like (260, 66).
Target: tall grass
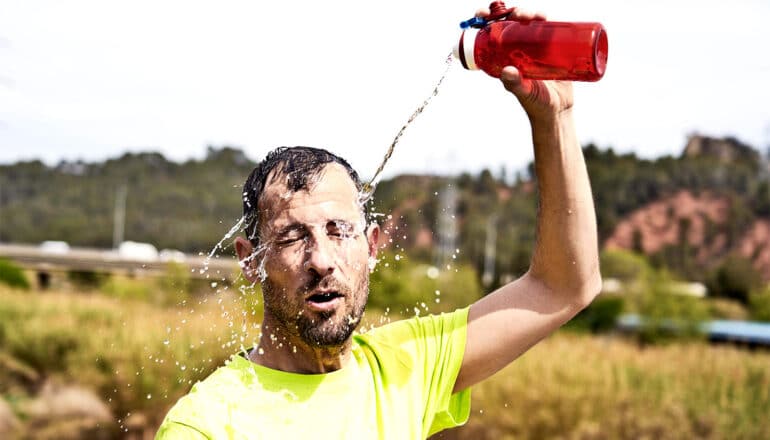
(137, 356)
(142, 358)
(576, 386)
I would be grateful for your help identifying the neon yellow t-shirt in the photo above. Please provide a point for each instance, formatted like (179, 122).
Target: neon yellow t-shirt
(398, 385)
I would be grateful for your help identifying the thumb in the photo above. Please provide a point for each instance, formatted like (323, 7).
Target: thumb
(514, 83)
(526, 90)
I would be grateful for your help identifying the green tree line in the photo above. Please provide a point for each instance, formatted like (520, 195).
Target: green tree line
(191, 205)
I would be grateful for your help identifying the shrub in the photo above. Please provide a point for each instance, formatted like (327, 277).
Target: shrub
(401, 285)
(601, 316)
(759, 304)
(12, 275)
(170, 289)
(734, 278)
(624, 265)
(723, 308)
(174, 285)
(128, 288)
(86, 279)
(669, 314)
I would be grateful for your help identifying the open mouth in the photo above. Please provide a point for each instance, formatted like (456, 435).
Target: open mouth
(323, 297)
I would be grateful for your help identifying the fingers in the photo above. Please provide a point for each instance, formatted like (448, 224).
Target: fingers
(525, 15)
(516, 14)
(514, 83)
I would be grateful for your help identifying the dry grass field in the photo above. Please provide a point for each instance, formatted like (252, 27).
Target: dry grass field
(138, 358)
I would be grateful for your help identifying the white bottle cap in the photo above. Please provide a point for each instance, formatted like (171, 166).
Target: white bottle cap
(463, 50)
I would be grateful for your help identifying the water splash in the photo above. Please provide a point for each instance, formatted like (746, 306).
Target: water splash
(237, 333)
(368, 190)
(237, 227)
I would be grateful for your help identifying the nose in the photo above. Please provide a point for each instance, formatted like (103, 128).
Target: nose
(320, 257)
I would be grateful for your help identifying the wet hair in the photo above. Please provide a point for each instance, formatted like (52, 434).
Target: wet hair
(299, 166)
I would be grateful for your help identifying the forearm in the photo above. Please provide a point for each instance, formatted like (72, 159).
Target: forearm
(565, 257)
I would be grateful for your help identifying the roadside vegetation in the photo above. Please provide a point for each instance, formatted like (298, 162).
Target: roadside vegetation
(130, 347)
(138, 355)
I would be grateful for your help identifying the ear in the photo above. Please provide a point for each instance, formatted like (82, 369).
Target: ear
(245, 251)
(372, 237)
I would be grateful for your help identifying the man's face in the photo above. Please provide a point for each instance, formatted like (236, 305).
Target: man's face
(316, 257)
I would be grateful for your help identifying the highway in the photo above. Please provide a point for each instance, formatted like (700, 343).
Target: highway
(37, 258)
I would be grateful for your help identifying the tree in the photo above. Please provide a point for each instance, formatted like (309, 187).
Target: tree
(734, 278)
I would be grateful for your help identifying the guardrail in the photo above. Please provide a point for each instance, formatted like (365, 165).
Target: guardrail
(109, 261)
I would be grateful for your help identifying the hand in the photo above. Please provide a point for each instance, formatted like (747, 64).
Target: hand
(540, 99)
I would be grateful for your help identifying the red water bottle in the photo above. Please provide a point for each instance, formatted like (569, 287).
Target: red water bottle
(539, 49)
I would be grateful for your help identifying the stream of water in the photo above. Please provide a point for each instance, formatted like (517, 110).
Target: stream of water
(368, 190)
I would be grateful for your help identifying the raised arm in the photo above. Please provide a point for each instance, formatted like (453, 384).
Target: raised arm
(563, 277)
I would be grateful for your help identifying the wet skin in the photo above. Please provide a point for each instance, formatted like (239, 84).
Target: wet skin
(315, 257)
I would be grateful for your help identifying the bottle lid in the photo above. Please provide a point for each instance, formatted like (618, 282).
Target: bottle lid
(463, 50)
(475, 22)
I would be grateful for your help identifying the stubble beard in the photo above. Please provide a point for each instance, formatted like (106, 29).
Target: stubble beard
(318, 329)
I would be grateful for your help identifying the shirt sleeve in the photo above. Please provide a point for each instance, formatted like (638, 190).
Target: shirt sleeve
(444, 339)
(171, 430)
(434, 346)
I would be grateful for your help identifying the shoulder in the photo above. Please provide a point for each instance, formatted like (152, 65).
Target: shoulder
(418, 338)
(206, 403)
(417, 328)
(420, 358)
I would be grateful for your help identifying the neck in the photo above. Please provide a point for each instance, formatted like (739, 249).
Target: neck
(283, 350)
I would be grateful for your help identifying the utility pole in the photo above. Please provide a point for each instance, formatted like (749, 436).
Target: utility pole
(447, 225)
(119, 226)
(490, 252)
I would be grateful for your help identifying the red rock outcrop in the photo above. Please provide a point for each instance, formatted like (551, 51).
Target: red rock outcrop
(700, 221)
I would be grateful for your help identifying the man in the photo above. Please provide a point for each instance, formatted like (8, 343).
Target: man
(309, 246)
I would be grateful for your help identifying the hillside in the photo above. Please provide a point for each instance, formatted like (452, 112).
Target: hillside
(687, 213)
(696, 230)
(187, 206)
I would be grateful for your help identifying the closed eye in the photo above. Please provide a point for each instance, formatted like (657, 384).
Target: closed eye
(288, 241)
(291, 234)
(340, 229)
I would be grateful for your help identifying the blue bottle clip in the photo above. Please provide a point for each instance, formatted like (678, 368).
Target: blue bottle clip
(475, 22)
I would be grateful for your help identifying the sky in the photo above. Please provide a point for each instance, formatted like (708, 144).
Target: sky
(92, 79)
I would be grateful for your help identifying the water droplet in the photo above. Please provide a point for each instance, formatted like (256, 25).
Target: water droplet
(370, 187)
